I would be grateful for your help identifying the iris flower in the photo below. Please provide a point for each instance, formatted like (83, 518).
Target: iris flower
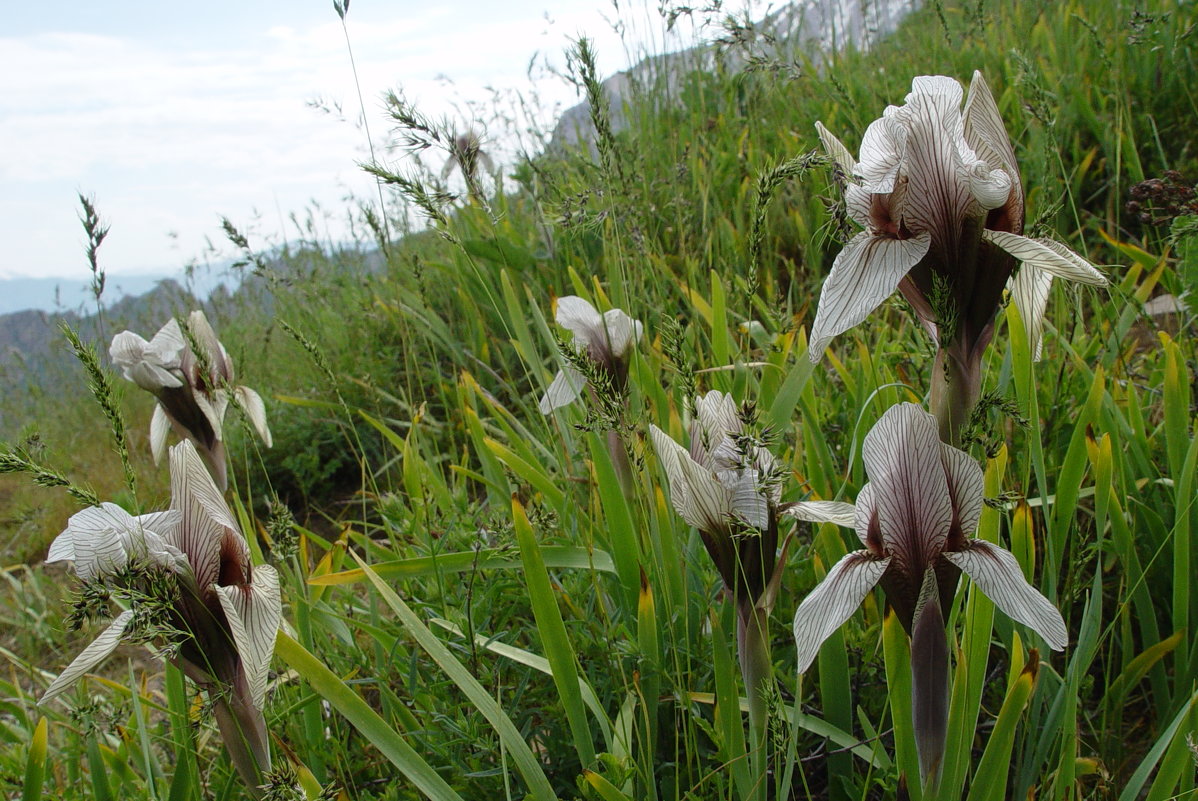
(916, 518)
(937, 192)
(227, 609)
(605, 339)
(727, 487)
(193, 390)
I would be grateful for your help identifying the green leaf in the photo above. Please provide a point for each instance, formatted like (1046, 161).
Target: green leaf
(389, 742)
(35, 763)
(528, 765)
(552, 630)
(558, 556)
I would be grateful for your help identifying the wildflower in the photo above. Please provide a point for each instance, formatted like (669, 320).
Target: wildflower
(727, 486)
(467, 155)
(605, 340)
(916, 517)
(937, 191)
(193, 389)
(227, 609)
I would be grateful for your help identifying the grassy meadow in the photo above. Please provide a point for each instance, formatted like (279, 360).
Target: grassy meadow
(484, 601)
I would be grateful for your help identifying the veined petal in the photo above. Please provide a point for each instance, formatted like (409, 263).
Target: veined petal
(838, 512)
(833, 602)
(251, 403)
(718, 418)
(865, 273)
(997, 574)
(562, 390)
(205, 517)
(253, 611)
(621, 331)
(159, 425)
(90, 656)
(97, 544)
(579, 317)
(698, 497)
(1029, 291)
(984, 128)
(746, 499)
(213, 406)
(966, 484)
(836, 150)
(151, 376)
(938, 197)
(168, 344)
(910, 492)
(127, 349)
(858, 204)
(1050, 256)
(882, 149)
(991, 188)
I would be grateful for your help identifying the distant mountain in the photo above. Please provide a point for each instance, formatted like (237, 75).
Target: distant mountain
(799, 30)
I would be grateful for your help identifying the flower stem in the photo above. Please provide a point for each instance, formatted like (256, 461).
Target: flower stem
(753, 641)
(243, 730)
(956, 386)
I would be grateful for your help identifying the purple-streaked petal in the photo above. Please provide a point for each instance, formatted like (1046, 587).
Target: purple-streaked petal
(698, 497)
(90, 656)
(168, 344)
(218, 358)
(997, 574)
(206, 519)
(565, 387)
(127, 349)
(882, 149)
(1029, 291)
(910, 492)
(253, 611)
(966, 484)
(985, 131)
(99, 538)
(836, 150)
(833, 601)
(938, 197)
(746, 497)
(621, 331)
(718, 419)
(579, 317)
(212, 406)
(838, 512)
(1050, 256)
(858, 204)
(929, 678)
(253, 407)
(159, 425)
(866, 272)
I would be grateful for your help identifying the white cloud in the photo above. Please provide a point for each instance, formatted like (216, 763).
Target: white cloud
(169, 138)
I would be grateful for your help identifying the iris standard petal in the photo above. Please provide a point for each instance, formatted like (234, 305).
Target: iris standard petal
(565, 387)
(833, 601)
(99, 538)
(984, 129)
(205, 517)
(90, 656)
(882, 149)
(579, 317)
(866, 272)
(938, 198)
(253, 611)
(966, 485)
(997, 574)
(621, 331)
(910, 492)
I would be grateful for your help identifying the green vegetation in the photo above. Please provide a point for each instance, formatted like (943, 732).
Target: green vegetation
(477, 606)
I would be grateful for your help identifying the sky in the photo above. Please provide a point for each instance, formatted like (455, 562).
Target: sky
(172, 115)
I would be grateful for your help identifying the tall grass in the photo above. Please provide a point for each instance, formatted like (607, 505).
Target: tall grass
(477, 608)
